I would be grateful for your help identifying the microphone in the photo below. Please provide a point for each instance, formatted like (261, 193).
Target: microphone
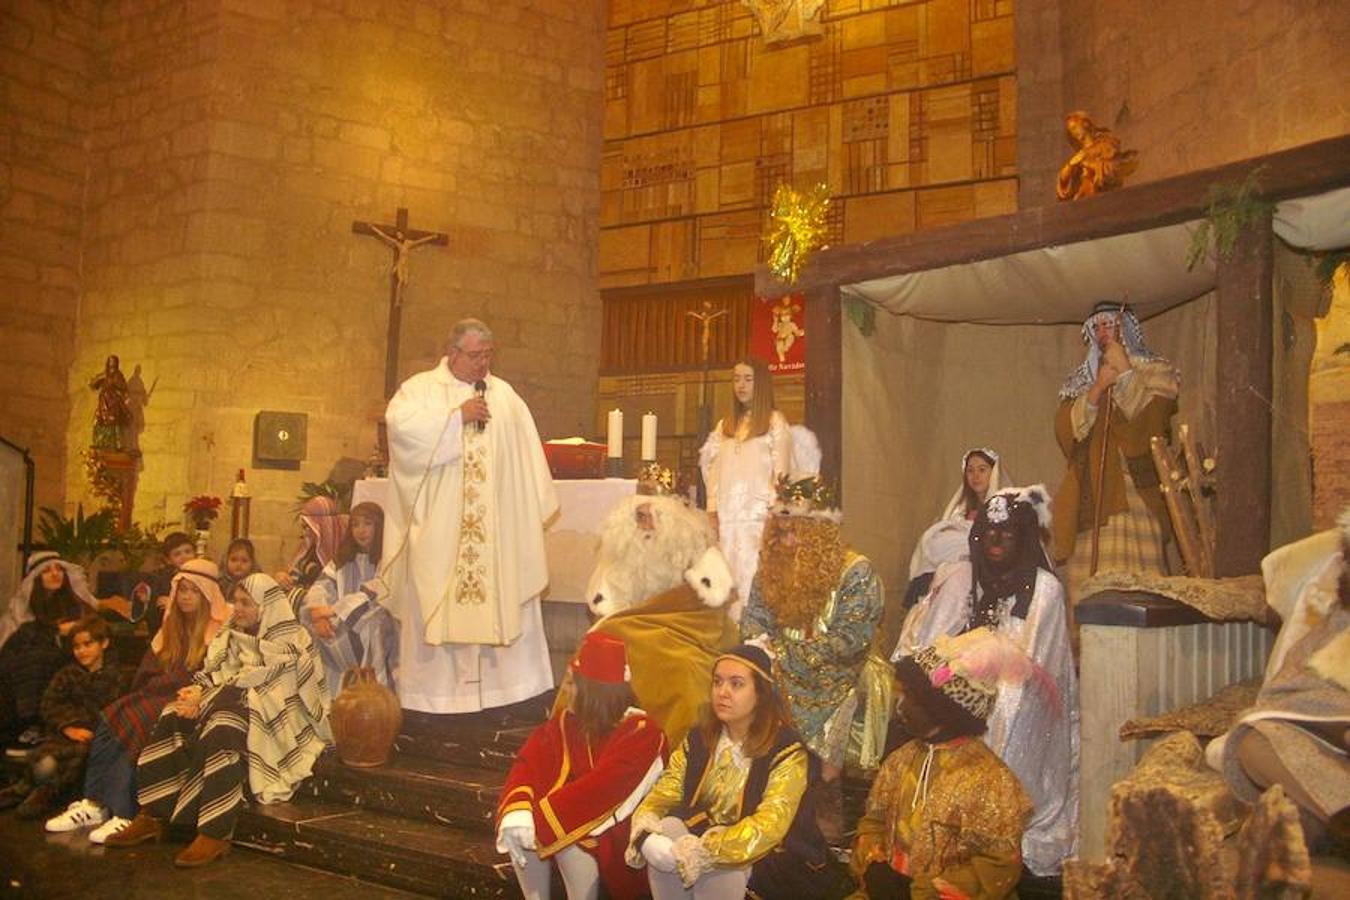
(479, 389)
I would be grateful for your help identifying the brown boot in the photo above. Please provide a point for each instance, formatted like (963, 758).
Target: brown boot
(201, 851)
(144, 827)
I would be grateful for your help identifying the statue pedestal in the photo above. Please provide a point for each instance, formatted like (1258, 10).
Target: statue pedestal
(123, 466)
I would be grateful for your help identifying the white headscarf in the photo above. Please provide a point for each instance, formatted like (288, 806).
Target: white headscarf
(948, 538)
(20, 605)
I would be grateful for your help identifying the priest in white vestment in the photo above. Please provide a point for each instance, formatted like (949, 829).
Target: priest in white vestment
(464, 534)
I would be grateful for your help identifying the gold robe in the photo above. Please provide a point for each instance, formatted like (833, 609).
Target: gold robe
(671, 641)
(957, 826)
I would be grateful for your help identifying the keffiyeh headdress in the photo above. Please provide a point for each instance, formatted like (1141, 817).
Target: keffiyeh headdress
(1131, 335)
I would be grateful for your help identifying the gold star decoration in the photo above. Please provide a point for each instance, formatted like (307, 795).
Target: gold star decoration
(797, 228)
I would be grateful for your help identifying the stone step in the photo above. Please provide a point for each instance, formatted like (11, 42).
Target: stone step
(415, 787)
(425, 858)
(488, 739)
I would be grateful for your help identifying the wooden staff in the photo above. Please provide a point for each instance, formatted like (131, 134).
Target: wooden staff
(1106, 443)
(1097, 488)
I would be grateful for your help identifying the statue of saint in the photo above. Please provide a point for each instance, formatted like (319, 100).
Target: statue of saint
(1099, 165)
(113, 413)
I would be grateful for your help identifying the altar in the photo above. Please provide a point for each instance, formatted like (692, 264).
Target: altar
(571, 538)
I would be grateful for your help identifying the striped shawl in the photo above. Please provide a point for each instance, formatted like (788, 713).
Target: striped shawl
(279, 667)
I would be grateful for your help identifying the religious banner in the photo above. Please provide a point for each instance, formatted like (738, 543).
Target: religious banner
(778, 333)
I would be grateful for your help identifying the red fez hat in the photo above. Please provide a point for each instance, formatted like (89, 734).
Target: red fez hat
(602, 658)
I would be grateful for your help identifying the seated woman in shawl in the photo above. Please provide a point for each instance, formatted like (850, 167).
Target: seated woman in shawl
(948, 539)
(196, 612)
(348, 626)
(256, 715)
(578, 779)
(1298, 733)
(321, 528)
(732, 813)
(1008, 585)
(50, 600)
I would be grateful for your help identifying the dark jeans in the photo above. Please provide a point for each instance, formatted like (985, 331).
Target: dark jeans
(109, 775)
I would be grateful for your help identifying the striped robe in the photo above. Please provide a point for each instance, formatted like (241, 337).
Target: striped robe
(263, 701)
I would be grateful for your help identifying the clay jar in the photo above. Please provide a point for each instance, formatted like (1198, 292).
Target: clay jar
(366, 717)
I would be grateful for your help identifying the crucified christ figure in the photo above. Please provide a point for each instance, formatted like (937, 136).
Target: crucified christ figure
(402, 250)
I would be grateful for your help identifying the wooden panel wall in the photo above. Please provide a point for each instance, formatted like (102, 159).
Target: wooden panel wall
(654, 332)
(906, 109)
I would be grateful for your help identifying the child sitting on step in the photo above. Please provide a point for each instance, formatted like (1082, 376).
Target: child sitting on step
(578, 779)
(70, 710)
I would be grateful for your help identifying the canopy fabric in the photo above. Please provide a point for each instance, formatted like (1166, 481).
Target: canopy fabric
(1059, 285)
(1317, 223)
(1051, 285)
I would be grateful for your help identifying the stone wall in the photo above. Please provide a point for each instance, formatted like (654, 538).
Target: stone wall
(1189, 85)
(236, 143)
(46, 66)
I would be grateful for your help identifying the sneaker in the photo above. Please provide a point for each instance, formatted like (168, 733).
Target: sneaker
(110, 827)
(80, 814)
(32, 736)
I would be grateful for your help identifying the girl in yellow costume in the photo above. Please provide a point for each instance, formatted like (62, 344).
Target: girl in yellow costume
(945, 815)
(731, 815)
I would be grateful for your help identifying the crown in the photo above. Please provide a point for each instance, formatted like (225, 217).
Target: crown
(655, 480)
(810, 497)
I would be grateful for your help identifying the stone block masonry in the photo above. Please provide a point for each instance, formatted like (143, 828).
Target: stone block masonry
(46, 66)
(200, 172)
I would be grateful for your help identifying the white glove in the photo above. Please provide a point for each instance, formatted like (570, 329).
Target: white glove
(516, 835)
(659, 852)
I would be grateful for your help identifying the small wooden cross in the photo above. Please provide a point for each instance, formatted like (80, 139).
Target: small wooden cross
(402, 240)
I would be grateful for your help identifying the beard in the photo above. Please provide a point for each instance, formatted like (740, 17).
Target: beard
(634, 564)
(795, 582)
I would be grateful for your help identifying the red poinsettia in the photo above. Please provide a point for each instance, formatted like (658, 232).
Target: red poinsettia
(202, 509)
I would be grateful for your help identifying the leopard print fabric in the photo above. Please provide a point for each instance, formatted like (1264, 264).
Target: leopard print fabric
(975, 700)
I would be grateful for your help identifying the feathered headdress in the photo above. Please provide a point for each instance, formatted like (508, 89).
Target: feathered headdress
(969, 668)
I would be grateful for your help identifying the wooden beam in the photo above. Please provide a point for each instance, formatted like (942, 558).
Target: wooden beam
(1310, 169)
(825, 378)
(1244, 311)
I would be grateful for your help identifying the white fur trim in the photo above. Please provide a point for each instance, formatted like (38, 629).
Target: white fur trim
(1037, 495)
(710, 578)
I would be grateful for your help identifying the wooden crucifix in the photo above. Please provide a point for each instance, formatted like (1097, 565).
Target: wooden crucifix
(705, 318)
(402, 240)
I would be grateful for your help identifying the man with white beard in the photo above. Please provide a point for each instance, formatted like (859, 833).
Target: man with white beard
(662, 587)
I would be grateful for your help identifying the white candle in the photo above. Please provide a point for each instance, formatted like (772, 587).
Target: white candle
(614, 435)
(649, 437)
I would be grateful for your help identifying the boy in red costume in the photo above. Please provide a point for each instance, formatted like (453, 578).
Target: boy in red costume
(578, 779)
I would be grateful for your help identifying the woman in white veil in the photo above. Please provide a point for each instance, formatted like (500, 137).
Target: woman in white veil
(948, 539)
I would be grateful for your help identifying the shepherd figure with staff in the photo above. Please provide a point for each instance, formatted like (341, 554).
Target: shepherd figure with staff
(1110, 515)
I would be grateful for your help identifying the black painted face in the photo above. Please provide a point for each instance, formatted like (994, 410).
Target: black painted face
(1000, 545)
(917, 719)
